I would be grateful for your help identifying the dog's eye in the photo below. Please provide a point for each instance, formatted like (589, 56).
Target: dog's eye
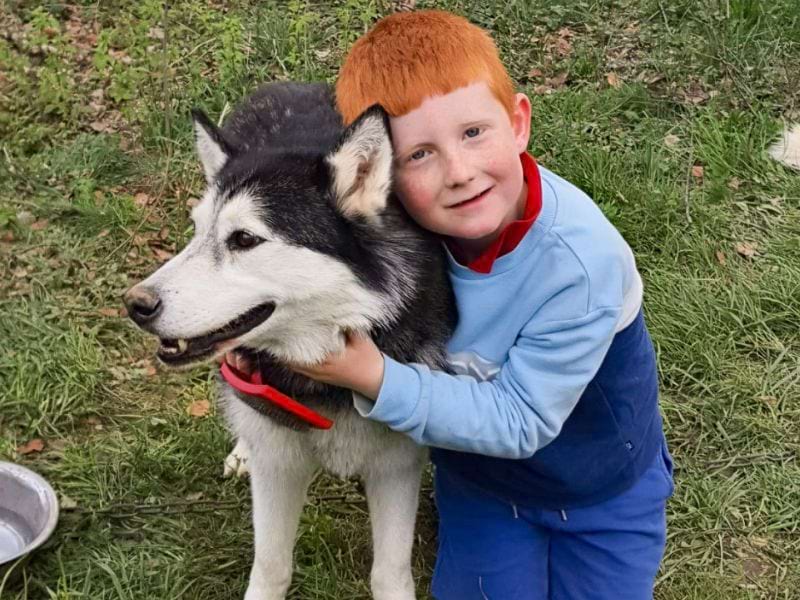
(243, 240)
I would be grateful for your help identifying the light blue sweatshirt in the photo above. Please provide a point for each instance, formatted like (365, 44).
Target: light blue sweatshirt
(531, 336)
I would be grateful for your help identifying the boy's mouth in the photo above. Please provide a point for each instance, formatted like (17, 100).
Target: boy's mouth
(474, 200)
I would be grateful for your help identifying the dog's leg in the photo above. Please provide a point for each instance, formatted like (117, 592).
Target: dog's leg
(280, 477)
(393, 496)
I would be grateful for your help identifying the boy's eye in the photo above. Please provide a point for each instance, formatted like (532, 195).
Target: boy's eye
(418, 155)
(472, 132)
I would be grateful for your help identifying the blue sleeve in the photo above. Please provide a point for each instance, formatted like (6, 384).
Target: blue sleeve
(515, 414)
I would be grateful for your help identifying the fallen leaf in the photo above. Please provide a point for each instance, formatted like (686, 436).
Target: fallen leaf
(698, 171)
(104, 233)
(535, 72)
(613, 80)
(35, 445)
(198, 408)
(720, 257)
(671, 140)
(141, 199)
(67, 503)
(194, 496)
(559, 80)
(192, 202)
(163, 234)
(162, 254)
(39, 225)
(734, 183)
(109, 312)
(25, 218)
(747, 249)
(100, 127)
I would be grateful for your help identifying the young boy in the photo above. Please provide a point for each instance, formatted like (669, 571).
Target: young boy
(552, 471)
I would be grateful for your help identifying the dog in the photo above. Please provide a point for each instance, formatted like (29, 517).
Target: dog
(298, 240)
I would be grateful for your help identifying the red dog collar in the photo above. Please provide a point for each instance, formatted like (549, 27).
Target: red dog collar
(255, 387)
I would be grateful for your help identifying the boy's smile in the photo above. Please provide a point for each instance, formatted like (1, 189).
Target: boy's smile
(457, 165)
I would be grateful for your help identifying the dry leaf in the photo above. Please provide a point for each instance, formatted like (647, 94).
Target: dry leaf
(559, 80)
(720, 257)
(100, 127)
(613, 80)
(109, 312)
(697, 171)
(198, 408)
(39, 225)
(747, 249)
(734, 183)
(671, 140)
(535, 72)
(192, 202)
(67, 503)
(162, 254)
(25, 218)
(141, 199)
(35, 445)
(163, 234)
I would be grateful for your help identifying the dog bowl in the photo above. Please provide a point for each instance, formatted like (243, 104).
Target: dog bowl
(28, 513)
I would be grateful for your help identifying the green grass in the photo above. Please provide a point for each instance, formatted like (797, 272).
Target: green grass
(97, 173)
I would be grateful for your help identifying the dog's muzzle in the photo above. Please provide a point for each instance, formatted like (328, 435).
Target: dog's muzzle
(144, 306)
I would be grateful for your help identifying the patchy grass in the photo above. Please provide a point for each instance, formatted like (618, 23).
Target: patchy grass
(660, 110)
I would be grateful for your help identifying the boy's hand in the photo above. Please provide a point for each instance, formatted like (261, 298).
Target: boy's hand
(359, 367)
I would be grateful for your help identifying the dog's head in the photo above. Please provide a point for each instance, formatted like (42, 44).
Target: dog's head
(275, 262)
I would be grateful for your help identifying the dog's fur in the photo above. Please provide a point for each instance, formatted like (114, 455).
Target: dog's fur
(334, 252)
(787, 149)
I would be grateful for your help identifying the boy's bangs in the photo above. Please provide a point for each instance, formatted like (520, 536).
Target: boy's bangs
(409, 57)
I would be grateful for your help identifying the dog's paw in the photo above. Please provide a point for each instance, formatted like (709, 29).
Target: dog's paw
(236, 461)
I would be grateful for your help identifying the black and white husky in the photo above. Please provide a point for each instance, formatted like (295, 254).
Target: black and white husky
(298, 239)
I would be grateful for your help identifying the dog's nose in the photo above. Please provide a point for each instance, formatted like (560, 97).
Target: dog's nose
(143, 304)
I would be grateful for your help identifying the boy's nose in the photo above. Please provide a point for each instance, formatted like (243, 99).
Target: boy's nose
(458, 172)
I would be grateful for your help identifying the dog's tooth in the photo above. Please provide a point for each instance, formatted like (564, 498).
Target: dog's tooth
(183, 345)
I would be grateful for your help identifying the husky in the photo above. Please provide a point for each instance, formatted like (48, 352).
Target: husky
(298, 240)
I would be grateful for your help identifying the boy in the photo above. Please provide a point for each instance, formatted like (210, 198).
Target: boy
(552, 472)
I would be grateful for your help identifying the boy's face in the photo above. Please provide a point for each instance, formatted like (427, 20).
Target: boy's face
(457, 166)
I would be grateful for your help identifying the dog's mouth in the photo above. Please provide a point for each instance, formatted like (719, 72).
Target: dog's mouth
(182, 351)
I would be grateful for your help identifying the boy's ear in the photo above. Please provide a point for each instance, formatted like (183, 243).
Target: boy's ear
(361, 165)
(521, 122)
(211, 146)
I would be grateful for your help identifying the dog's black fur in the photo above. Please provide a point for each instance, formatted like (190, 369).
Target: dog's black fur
(276, 143)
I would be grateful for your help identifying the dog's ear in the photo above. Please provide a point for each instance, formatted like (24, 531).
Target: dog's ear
(212, 148)
(362, 165)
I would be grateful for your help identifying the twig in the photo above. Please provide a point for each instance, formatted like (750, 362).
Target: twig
(121, 511)
(688, 183)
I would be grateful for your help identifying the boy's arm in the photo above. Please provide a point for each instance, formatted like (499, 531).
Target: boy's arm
(512, 416)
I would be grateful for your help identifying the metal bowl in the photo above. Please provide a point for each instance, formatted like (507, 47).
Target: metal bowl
(28, 512)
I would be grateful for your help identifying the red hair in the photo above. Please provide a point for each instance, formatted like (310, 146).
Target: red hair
(410, 56)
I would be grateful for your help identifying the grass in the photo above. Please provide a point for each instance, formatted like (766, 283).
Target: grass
(97, 175)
